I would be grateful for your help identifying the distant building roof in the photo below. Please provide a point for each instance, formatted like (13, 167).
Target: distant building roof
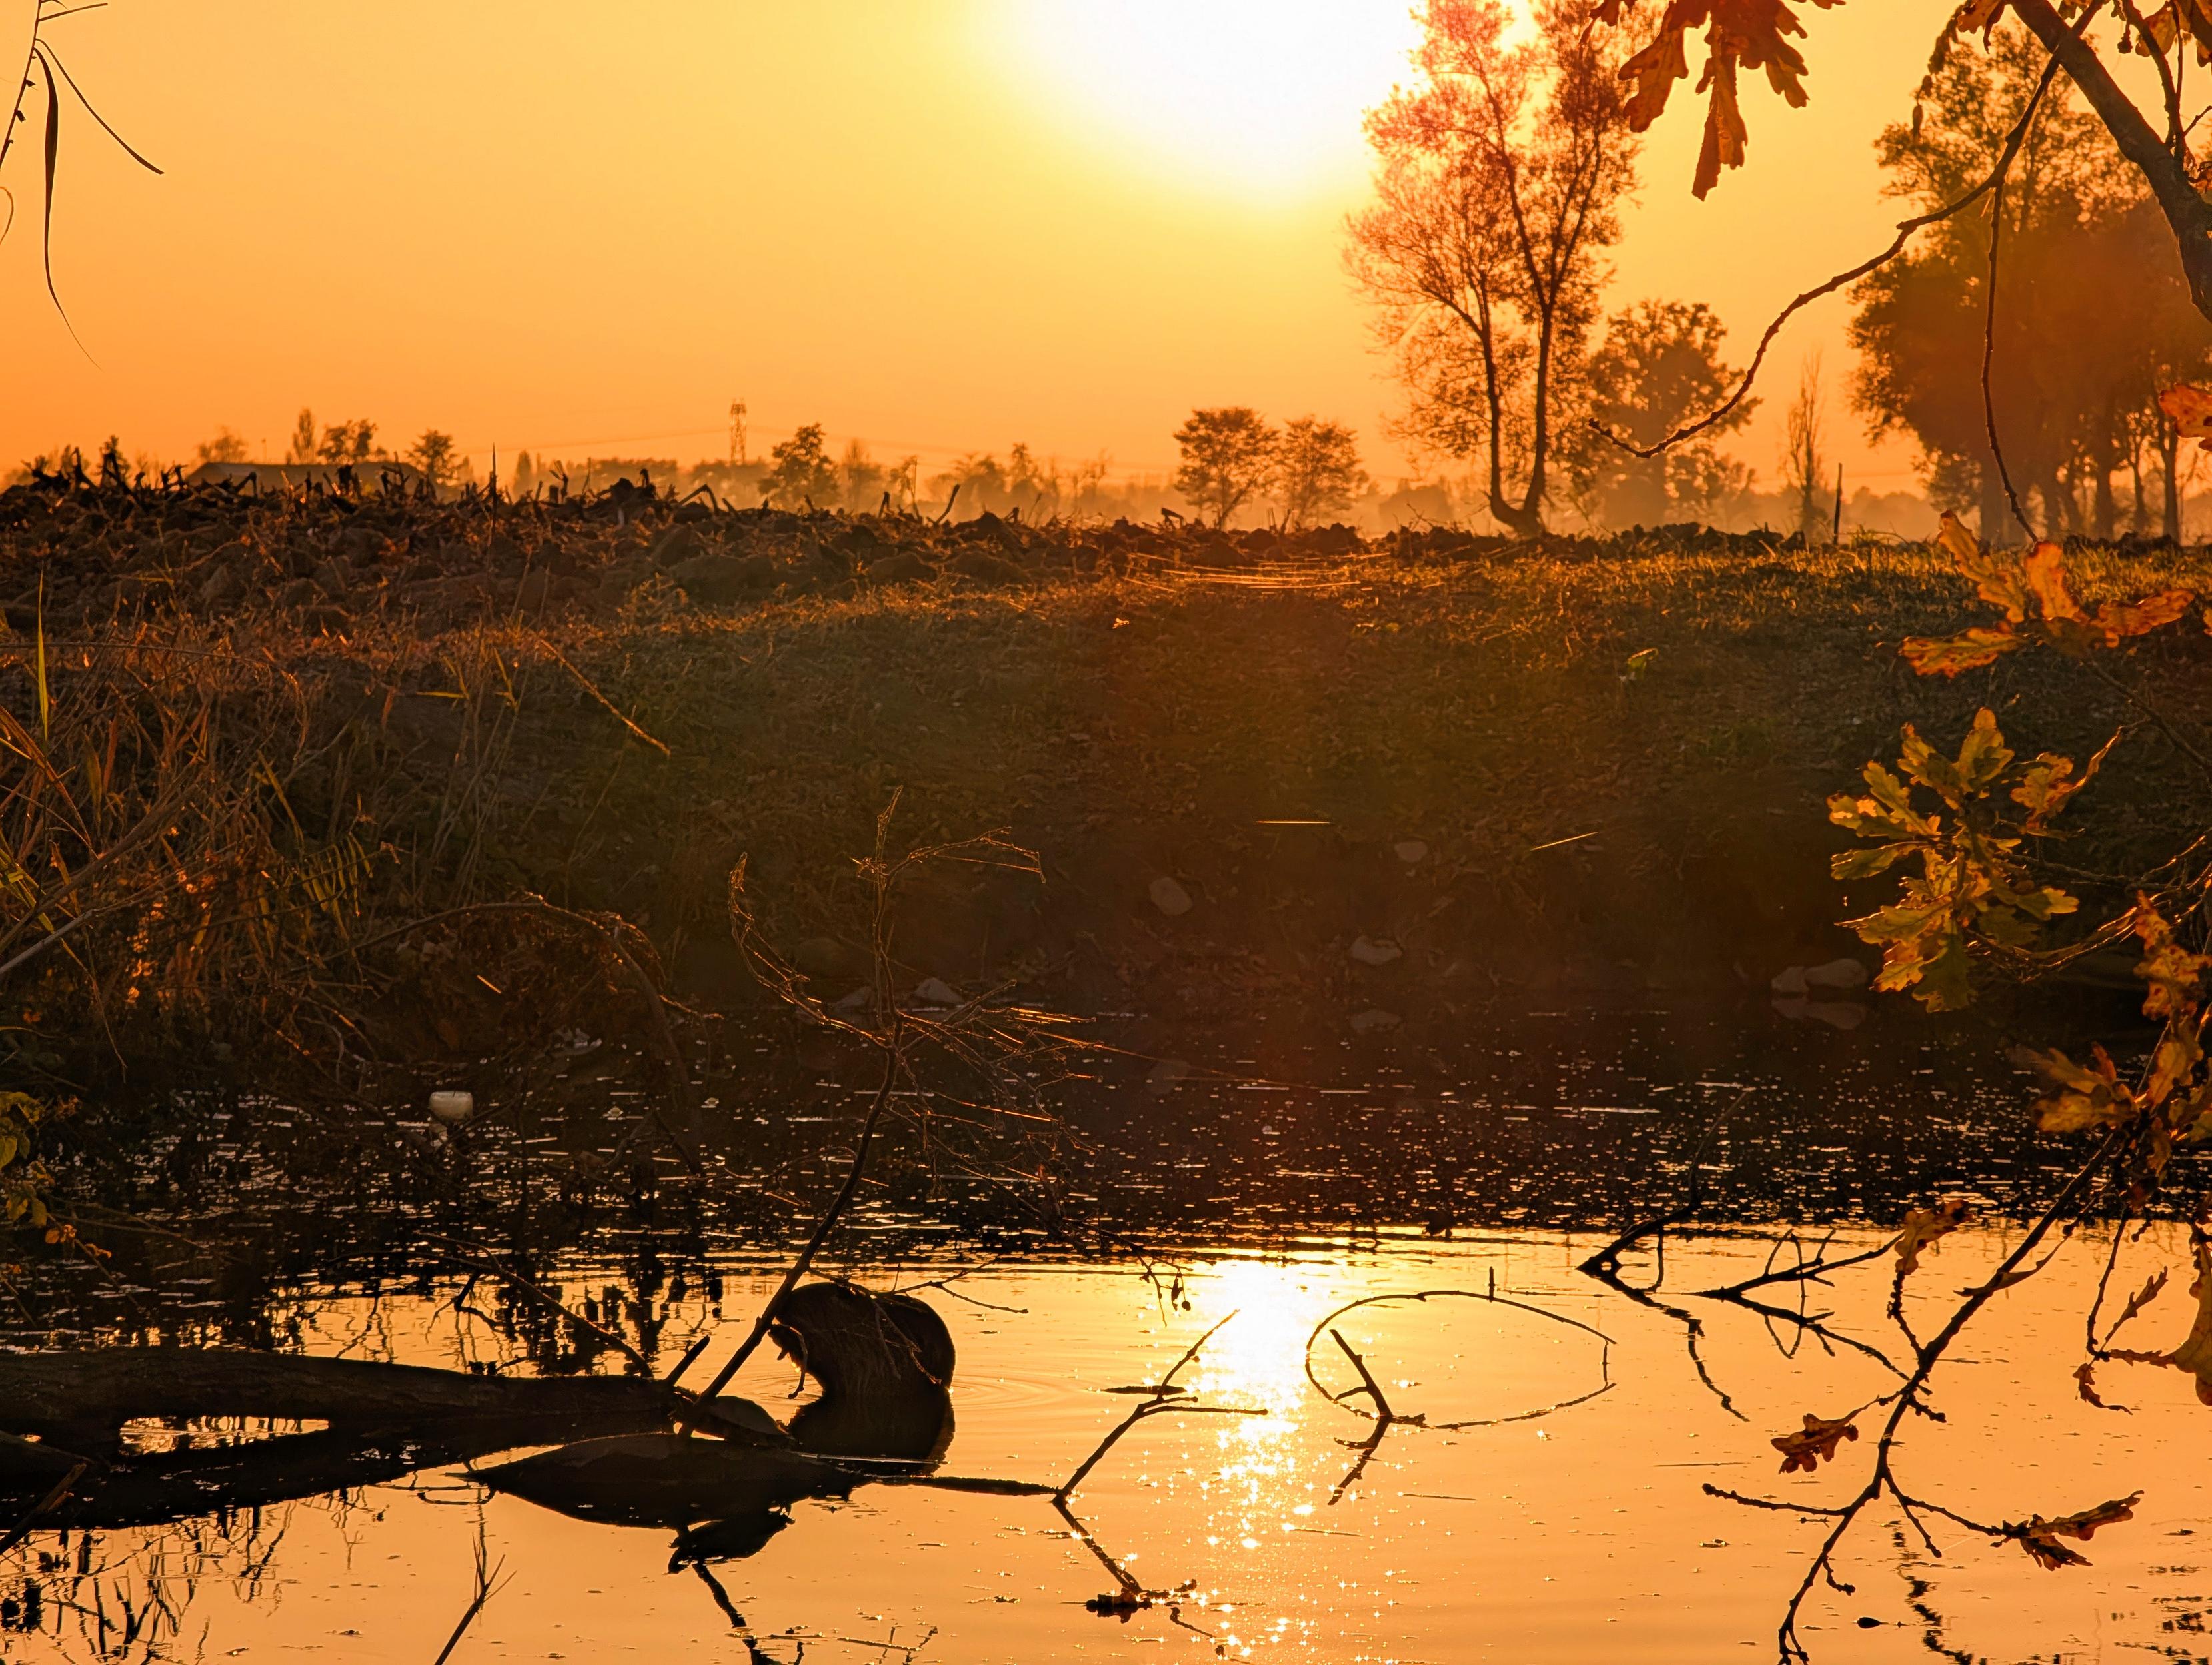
(282, 477)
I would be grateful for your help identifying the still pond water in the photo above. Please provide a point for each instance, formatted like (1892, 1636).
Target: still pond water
(1562, 1518)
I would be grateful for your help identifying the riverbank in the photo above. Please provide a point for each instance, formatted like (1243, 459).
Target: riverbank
(1373, 783)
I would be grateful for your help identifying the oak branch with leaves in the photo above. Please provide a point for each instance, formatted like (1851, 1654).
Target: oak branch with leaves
(1956, 831)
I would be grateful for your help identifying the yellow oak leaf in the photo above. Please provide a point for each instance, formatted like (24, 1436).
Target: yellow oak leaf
(1924, 1228)
(2088, 1097)
(2045, 571)
(1997, 580)
(2049, 784)
(1969, 650)
(2170, 972)
(2117, 621)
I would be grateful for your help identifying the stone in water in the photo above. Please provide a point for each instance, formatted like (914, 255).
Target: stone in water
(1376, 951)
(450, 1106)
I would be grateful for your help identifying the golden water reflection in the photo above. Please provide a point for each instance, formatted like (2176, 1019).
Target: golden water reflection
(1569, 1535)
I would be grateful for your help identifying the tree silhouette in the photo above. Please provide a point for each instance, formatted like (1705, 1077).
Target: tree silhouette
(1805, 450)
(1228, 457)
(1318, 471)
(433, 454)
(1659, 363)
(800, 471)
(2073, 377)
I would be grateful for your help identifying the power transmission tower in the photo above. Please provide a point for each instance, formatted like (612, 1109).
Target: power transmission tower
(737, 433)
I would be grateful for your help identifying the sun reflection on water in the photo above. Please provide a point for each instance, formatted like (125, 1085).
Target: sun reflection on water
(1258, 1357)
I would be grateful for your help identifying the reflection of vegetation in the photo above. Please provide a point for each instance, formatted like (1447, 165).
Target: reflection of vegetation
(1387, 1416)
(1965, 835)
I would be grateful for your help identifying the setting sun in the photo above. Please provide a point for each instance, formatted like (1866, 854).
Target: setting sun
(1257, 95)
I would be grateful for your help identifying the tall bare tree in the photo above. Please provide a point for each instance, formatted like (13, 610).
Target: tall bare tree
(1805, 455)
(303, 446)
(1498, 175)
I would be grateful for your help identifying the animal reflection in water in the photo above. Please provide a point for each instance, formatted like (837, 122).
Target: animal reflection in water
(883, 1364)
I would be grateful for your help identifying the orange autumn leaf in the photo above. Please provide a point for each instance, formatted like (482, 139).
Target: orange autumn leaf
(2045, 571)
(2042, 1538)
(1969, 650)
(1739, 34)
(2170, 972)
(2117, 621)
(2189, 408)
(1805, 1451)
(2050, 784)
(1924, 1228)
(1997, 580)
(2173, 1065)
(2088, 1095)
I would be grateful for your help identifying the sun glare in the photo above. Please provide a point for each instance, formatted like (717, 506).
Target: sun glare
(1260, 96)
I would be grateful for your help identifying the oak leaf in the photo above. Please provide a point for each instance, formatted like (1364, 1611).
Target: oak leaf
(2049, 784)
(2191, 1114)
(1997, 580)
(2117, 621)
(2087, 1096)
(1969, 650)
(1978, 16)
(1746, 34)
(2189, 408)
(2142, 1299)
(2084, 1385)
(1819, 1440)
(2045, 571)
(2170, 972)
(2172, 1065)
(1924, 1228)
(1725, 133)
(2041, 1538)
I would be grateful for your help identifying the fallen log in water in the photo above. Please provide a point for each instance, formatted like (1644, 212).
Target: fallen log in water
(883, 1362)
(383, 1421)
(84, 1393)
(254, 1474)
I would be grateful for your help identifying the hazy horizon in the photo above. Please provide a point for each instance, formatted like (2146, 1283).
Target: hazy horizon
(935, 231)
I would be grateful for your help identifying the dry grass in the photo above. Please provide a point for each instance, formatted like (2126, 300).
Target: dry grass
(219, 811)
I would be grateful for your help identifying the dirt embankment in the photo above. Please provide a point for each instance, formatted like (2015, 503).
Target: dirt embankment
(1375, 784)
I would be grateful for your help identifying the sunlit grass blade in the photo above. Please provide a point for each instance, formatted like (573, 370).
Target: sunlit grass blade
(46, 695)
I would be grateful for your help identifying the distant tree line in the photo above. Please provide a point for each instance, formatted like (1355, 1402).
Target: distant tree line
(1232, 457)
(1499, 172)
(2092, 317)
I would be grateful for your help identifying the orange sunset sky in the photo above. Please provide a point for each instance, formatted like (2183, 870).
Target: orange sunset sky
(938, 225)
